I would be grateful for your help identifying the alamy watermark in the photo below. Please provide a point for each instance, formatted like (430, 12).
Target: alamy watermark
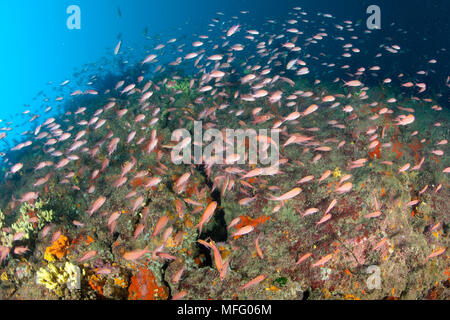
(374, 280)
(374, 20)
(228, 146)
(74, 20)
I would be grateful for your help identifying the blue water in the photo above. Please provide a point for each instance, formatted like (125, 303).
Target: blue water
(39, 52)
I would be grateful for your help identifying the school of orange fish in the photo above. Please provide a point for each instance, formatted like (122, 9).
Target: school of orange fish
(111, 154)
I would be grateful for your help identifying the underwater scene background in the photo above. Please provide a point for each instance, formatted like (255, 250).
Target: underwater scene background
(98, 97)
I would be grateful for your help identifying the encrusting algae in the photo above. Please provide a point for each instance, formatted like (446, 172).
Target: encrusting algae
(144, 286)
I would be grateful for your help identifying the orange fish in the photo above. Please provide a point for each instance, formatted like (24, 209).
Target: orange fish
(243, 230)
(97, 204)
(253, 282)
(380, 244)
(373, 214)
(135, 254)
(312, 108)
(177, 276)
(325, 218)
(325, 175)
(160, 225)
(288, 195)
(88, 255)
(331, 206)
(322, 261)
(303, 258)
(258, 249)
(346, 187)
(207, 214)
(179, 295)
(436, 253)
(217, 256)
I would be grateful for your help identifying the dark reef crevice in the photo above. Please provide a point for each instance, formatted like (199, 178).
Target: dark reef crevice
(218, 231)
(165, 282)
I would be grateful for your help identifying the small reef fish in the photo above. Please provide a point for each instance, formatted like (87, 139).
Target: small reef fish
(253, 282)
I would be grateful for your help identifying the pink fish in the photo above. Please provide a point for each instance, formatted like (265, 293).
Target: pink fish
(45, 231)
(436, 253)
(113, 217)
(346, 187)
(4, 252)
(405, 120)
(217, 257)
(181, 181)
(253, 173)
(207, 214)
(288, 195)
(135, 254)
(166, 256)
(113, 145)
(253, 282)
(20, 250)
(310, 211)
(303, 258)
(56, 235)
(232, 30)
(324, 176)
(137, 203)
(162, 222)
(88, 255)
(119, 182)
(116, 50)
(180, 295)
(325, 218)
(380, 244)
(128, 166)
(234, 222)
(331, 206)
(244, 230)
(153, 182)
(167, 233)
(437, 225)
(322, 261)
(97, 204)
(16, 167)
(404, 168)
(353, 83)
(177, 276)
(412, 203)
(103, 271)
(78, 223)
(149, 58)
(27, 197)
(423, 190)
(138, 231)
(18, 236)
(257, 247)
(438, 152)
(373, 214)
(62, 163)
(312, 108)
(246, 201)
(305, 179)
